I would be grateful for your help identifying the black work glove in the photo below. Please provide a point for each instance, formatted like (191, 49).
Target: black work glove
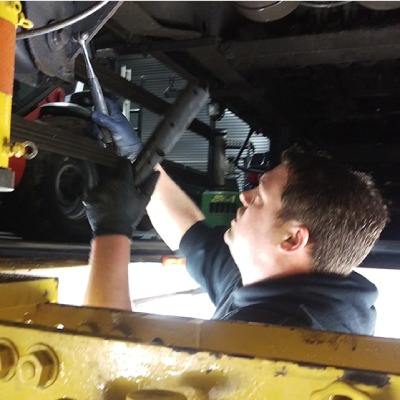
(116, 206)
(127, 141)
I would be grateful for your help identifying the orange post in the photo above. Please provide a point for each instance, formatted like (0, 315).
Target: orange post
(10, 17)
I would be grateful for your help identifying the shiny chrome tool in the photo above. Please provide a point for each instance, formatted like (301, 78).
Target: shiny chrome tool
(95, 88)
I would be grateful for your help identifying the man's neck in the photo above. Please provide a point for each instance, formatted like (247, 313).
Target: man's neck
(263, 273)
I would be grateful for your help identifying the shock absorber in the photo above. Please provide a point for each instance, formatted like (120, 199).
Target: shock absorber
(11, 16)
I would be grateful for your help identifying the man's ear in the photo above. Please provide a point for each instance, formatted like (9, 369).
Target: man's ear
(295, 238)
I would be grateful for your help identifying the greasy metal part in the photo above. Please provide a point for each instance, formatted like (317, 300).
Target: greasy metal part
(216, 159)
(41, 58)
(212, 60)
(58, 26)
(131, 20)
(174, 66)
(324, 48)
(55, 139)
(123, 87)
(30, 150)
(94, 84)
(95, 22)
(65, 109)
(266, 11)
(135, 93)
(169, 130)
(166, 46)
(52, 61)
(136, 356)
(59, 141)
(7, 178)
(380, 5)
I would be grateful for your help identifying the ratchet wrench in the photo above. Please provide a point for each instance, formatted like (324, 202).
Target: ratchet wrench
(95, 88)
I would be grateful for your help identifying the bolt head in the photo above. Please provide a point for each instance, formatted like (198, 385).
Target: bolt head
(57, 40)
(38, 368)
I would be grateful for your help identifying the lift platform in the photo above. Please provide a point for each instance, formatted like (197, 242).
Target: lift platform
(54, 351)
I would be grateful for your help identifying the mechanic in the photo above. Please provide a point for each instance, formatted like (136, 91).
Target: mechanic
(287, 259)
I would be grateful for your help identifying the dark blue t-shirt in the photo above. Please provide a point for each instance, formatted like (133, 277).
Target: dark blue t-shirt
(318, 301)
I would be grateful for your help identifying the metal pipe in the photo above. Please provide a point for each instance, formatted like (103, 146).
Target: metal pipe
(177, 118)
(216, 158)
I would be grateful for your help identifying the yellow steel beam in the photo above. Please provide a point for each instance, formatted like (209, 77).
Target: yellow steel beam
(17, 290)
(9, 11)
(246, 340)
(50, 351)
(46, 364)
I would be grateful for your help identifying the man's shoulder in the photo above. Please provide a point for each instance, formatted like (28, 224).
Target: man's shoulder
(201, 233)
(316, 301)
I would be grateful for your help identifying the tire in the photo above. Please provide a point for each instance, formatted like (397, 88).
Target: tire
(47, 205)
(50, 199)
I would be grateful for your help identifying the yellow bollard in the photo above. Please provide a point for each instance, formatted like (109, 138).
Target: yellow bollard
(11, 16)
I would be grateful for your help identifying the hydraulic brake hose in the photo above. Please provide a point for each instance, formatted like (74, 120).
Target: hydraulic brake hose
(61, 24)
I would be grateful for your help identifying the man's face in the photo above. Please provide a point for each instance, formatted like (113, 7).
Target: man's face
(256, 223)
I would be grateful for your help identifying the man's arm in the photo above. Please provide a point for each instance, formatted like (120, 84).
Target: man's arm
(171, 211)
(113, 208)
(108, 284)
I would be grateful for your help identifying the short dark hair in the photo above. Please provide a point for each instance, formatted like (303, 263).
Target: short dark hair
(342, 209)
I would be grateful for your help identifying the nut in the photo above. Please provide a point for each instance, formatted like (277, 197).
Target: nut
(8, 359)
(39, 367)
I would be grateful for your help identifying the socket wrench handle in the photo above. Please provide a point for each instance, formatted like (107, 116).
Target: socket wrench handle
(95, 88)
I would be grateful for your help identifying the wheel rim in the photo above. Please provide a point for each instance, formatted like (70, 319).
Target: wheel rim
(70, 186)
